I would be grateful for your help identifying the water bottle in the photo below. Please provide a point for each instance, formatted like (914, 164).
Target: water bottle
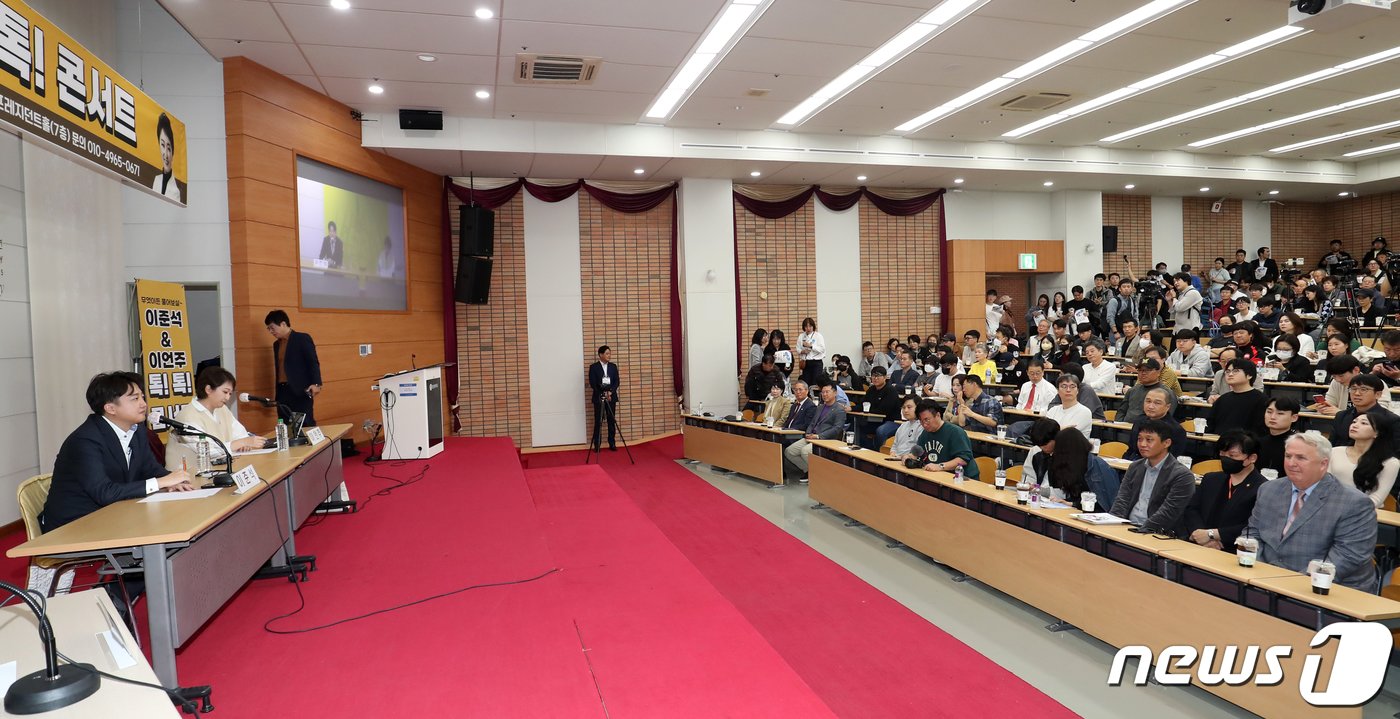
(958, 475)
(699, 408)
(282, 442)
(201, 453)
(1035, 495)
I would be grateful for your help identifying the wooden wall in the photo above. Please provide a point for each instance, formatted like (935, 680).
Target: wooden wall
(270, 120)
(972, 260)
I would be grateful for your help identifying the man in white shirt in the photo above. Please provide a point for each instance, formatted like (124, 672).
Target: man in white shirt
(1099, 373)
(1035, 394)
(1070, 412)
(995, 311)
(1190, 359)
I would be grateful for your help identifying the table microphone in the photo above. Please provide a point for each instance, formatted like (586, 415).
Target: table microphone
(264, 401)
(55, 686)
(221, 479)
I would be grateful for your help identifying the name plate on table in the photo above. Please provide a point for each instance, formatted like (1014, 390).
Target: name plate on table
(314, 435)
(246, 478)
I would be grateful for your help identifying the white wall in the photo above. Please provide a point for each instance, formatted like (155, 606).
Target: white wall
(706, 244)
(19, 442)
(984, 215)
(1079, 222)
(554, 315)
(1168, 236)
(838, 279)
(1258, 231)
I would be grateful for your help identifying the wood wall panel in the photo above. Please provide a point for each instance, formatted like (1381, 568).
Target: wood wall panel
(269, 121)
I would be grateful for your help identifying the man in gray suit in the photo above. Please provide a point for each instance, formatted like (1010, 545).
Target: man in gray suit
(1156, 488)
(1310, 515)
(829, 422)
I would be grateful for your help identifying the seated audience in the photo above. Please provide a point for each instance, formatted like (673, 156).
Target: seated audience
(982, 366)
(976, 410)
(1388, 367)
(1342, 370)
(884, 400)
(759, 378)
(1149, 376)
(1279, 419)
(1155, 406)
(1223, 501)
(1169, 378)
(803, 408)
(909, 430)
(1369, 462)
(1099, 373)
(1292, 366)
(1189, 359)
(870, 359)
(777, 405)
(945, 445)
(905, 377)
(1243, 406)
(1156, 488)
(1310, 514)
(1087, 397)
(1365, 392)
(828, 422)
(1069, 412)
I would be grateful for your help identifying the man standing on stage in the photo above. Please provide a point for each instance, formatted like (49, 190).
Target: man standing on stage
(297, 369)
(604, 379)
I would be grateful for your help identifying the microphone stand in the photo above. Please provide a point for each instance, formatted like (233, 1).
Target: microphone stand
(224, 479)
(49, 688)
(284, 413)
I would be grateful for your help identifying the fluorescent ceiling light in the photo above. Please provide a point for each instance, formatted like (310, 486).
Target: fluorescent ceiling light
(1294, 119)
(1205, 189)
(1343, 194)
(639, 171)
(483, 94)
(738, 16)
(340, 4)
(1336, 137)
(1129, 187)
(755, 173)
(1098, 36)
(1259, 94)
(1273, 192)
(1220, 57)
(376, 89)
(860, 178)
(1374, 150)
(958, 180)
(1048, 183)
(946, 15)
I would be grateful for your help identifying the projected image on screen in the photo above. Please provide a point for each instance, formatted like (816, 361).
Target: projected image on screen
(350, 232)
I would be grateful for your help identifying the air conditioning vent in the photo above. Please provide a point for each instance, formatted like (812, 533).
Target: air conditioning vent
(1036, 103)
(556, 69)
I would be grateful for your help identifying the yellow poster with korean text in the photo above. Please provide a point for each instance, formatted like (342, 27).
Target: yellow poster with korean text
(166, 366)
(52, 88)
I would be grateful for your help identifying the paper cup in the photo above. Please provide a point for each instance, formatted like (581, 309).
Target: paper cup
(1200, 424)
(1269, 473)
(865, 406)
(1087, 501)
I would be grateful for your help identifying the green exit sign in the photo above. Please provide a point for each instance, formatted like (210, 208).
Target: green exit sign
(1027, 261)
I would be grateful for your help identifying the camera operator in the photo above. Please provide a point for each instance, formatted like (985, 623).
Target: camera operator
(1186, 310)
(1335, 257)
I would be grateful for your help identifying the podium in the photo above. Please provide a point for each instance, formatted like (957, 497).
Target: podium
(411, 405)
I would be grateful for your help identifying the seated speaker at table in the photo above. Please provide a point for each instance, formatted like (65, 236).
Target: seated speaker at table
(108, 457)
(1309, 515)
(209, 412)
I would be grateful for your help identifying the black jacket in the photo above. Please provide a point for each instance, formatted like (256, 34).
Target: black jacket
(595, 380)
(1214, 506)
(91, 472)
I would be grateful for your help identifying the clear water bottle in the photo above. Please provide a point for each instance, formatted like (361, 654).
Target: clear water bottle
(283, 443)
(699, 408)
(1035, 495)
(201, 453)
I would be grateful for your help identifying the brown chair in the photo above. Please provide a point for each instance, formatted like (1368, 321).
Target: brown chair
(1206, 467)
(888, 446)
(1110, 415)
(747, 415)
(1115, 450)
(987, 469)
(1013, 475)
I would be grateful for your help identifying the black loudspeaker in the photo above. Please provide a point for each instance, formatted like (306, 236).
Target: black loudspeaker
(474, 280)
(1110, 239)
(478, 231)
(420, 119)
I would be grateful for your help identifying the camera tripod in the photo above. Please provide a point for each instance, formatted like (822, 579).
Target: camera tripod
(597, 438)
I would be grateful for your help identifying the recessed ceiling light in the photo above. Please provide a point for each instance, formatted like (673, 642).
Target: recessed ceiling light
(1343, 194)
(1205, 189)
(1273, 192)
(860, 178)
(957, 180)
(376, 89)
(639, 171)
(1129, 187)
(483, 94)
(755, 173)
(1048, 183)
(427, 58)
(485, 13)
(340, 4)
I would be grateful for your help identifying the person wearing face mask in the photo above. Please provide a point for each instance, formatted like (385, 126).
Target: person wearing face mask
(927, 381)
(1292, 366)
(1220, 508)
(949, 367)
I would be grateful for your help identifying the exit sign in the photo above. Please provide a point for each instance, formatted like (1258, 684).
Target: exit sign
(1027, 261)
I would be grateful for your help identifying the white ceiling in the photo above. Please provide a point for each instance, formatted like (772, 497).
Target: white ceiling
(794, 49)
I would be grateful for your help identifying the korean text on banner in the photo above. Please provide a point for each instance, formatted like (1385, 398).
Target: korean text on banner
(165, 349)
(53, 88)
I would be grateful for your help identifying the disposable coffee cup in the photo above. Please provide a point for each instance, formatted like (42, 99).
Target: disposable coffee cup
(1185, 461)
(1320, 376)
(851, 438)
(1200, 424)
(1095, 444)
(768, 421)
(1269, 473)
(1118, 388)
(865, 406)
(1000, 479)
(1088, 500)
(1246, 550)
(1001, 431)
(1023, 493)
(1322, 572)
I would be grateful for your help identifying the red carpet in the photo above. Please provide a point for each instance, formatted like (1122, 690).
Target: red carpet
(863, 653)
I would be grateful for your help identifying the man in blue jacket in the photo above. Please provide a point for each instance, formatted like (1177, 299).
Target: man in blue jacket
(297, 369)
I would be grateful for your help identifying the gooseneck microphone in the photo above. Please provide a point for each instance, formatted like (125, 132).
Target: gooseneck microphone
(223, 479)
(54, 686)
(264, 401)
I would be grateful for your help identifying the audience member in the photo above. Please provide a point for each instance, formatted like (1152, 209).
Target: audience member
(1156, 489)
(1220, 507)
(1155, 406)
(1069, 412)
(1243, 406)
(1280, 418)
(1149, 376)
(828, 422)
(976, 410)
(1364, 391)
(946, 446)
(1368, 463)
(1189, 359)
(907, 436)
(757, 346)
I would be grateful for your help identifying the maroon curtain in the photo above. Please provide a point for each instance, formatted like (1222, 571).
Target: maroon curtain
(944, 268)
(631, 203)
(782, 208)
(838, 203)
(449, 309)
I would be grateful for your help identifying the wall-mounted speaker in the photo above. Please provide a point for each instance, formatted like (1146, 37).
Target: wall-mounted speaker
(1110, 239)
(420, 119)
(473, 280)
(478, 231)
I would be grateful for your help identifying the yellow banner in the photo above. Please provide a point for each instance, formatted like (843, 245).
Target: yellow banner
(53, 88)
(165, 349)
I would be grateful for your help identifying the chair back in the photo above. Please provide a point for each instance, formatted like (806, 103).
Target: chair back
(1206, 467)
(1013, 475)
(888, 446)
(747, 415)
(986, 469)
(1115, 450)
(1111, 415)
(33, 493)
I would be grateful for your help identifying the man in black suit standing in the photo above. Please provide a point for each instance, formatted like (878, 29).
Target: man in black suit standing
(295, 365)
(108, 457)
(332, 247)
(604, 379)
(1264, 269)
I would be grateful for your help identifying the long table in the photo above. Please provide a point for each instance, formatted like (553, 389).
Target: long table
(1121, 587)
(746, 447)
(197, 553)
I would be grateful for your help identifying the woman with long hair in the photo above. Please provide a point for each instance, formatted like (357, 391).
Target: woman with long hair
(1057, 307)
(760, 337)
(1289, 323)
(1369, 464)
(1068, 466)
(777, 343)
(1036, 312)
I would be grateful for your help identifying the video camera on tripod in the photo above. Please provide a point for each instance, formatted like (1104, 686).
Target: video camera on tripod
(1291, 269)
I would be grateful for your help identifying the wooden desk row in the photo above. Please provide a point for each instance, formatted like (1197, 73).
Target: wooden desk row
(1121, 587)
(196, 553)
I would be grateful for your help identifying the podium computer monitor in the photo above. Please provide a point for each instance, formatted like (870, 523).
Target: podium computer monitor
(411, 404)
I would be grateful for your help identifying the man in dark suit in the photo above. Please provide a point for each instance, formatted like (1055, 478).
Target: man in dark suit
(803, 409)
(296, 367)
(1221, 506)
(604, 379)
(1311, 515)
(107, 458)
(829, 422)
(1264, 269)
(332, 247)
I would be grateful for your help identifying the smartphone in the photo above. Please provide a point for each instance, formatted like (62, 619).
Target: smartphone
(892, 459)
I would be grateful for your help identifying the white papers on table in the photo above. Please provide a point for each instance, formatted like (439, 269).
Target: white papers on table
(178, 496)
(9, 671)
(1099, 518)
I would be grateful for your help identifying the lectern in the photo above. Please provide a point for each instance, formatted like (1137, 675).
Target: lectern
(411, 402)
